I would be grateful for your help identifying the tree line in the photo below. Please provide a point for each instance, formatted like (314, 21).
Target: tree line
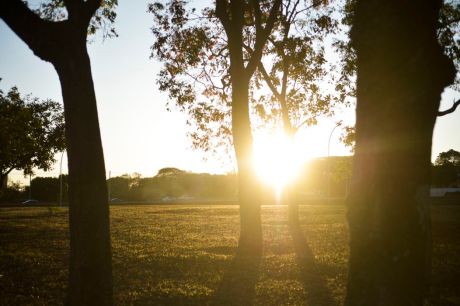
(318, 178)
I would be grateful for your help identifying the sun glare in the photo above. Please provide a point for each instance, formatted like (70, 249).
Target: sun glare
(277, 160)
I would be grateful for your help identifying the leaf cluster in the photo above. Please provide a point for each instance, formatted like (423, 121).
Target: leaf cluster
(192, 46)
(31, 132)
(295, 68)
(448, 158)
(103, 18)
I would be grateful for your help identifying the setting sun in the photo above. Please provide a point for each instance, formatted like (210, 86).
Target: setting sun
(277, 159)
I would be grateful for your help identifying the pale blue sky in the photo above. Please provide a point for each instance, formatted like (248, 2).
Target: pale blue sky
(138, 134)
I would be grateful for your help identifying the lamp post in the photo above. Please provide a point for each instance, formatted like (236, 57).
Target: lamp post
(30, 186)
(60, 180)
(339, 123)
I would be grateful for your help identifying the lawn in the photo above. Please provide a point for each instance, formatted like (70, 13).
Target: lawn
(185, 255)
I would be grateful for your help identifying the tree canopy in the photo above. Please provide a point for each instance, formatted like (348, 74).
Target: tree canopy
(170, 172)
(289, 80)
(31, 132)
(295, 68)
(448, 158)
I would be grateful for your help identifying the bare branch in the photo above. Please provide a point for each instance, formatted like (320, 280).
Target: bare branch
(450, 110)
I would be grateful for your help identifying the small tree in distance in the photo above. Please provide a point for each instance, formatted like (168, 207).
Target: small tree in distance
(31, 133)
(448, 158)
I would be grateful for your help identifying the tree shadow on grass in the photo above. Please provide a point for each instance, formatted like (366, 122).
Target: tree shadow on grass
(317, 293)
(239, 280)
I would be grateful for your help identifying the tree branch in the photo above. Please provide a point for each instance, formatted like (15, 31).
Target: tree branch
(41, 36)
(73, 8)
(91, 6)
(450, 110)
(262, 37)
(257, 16)
(221, 13)
(269, 82)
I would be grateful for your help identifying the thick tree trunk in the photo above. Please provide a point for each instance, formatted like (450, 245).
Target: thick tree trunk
(248, 187)
(3, 182)
(90, 248)
(64, 45)
(401, 74)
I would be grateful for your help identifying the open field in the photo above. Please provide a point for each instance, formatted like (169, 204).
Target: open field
(185, 255)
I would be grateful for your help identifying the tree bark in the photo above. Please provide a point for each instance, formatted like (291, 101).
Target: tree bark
(248, 187)
(402, 72)
(3, 182)
(63, 44)
(90, 271)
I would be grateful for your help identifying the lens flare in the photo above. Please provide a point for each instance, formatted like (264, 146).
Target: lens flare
(277, 160)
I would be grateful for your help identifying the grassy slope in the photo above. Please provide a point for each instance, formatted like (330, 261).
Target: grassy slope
(184, 255)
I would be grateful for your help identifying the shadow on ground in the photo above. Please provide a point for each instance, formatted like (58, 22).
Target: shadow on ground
(316, 291)
(238, 284)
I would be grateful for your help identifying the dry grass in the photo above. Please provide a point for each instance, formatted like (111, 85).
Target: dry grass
(185, 255)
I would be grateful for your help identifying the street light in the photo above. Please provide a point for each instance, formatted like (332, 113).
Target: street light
(60, 179)
(339, 123)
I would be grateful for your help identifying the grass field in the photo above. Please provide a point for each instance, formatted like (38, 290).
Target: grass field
(185, 255)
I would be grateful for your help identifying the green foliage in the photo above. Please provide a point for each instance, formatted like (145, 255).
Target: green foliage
(448, 158)
(444, 175)
(47, 189)
(169, 171)
(448, 33)
(446, 169)
(31, 132)
(348, 137)
(314, 176)
(12, 193)
(173, 183)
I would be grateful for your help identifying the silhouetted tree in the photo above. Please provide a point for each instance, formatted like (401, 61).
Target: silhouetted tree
(296, 72)
(447, 28)
(401, 73)
(450, 157)
(211, 48)
(48, 188)
(57, 34)
(233, 18)
(31, 132)
(169, 171)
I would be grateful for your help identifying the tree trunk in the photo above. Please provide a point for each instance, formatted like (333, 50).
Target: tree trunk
(3, 182)
(90, 248)
(248, 187)
(401, 74)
